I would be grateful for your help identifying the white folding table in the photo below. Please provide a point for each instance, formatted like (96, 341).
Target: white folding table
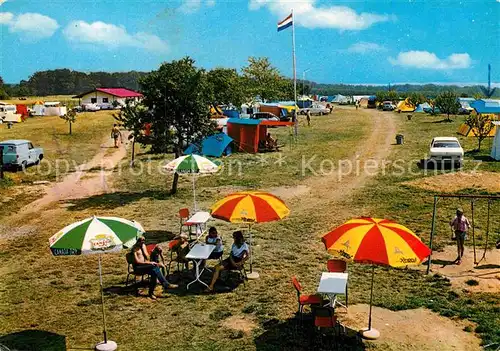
(198, 253)
(333, 284)
(199, 222)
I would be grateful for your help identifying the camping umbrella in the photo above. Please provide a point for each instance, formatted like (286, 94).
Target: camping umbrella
(376, 241)
(250, 207)
(96, 235)
(192, 164)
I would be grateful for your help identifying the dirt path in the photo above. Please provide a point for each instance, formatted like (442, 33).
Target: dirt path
(89, 179)
(352, 174)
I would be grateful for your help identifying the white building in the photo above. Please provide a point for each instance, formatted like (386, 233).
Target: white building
(107, 96)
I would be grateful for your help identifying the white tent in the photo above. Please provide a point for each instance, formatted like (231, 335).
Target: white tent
(39, 108)
(340, 99)
(54, 109)
(495, 149)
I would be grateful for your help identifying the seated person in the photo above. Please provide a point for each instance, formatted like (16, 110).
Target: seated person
(213, 238)
(143, 265)
(271, 143)
(157, 256)
(182, 248)
(239, 254)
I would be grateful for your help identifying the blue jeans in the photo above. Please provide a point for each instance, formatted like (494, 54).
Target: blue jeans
(155, 273)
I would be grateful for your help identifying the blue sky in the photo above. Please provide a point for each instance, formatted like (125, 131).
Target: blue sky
(337, 41)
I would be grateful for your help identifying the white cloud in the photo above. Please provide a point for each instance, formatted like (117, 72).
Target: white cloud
(112, 36)
(307, 14)
(192, 6)
(364, 47)
(6, 17)
(429, 60)
(30, 25)
(2, 1)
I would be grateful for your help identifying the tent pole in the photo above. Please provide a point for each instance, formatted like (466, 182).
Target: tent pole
(102, 302)
(371, 299)
(433, 228)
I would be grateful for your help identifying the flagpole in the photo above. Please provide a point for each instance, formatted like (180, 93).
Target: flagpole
(294, 78)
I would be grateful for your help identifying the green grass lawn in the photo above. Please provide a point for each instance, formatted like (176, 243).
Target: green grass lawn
(62, 152)
(60, 295)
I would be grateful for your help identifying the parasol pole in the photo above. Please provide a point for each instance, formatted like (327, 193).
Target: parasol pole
(194, 191)
(370, 333)
(102, 302)
(252, 274)
(106, 345)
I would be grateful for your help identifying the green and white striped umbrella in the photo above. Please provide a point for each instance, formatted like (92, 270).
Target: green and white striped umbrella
(95, 235)
(192, 164)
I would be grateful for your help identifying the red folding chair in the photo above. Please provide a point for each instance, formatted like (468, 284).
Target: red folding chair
(304, 300)
(338, 266)
(183, 216)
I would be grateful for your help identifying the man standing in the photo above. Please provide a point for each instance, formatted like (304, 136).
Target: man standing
(460, 225)
(115, 134)
(308, 118)
(143, 265)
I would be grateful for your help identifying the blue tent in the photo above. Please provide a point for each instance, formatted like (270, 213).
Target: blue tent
(422, 107)
(214, 145)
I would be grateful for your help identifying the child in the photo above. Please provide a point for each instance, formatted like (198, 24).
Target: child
(213, 238)
(460, 225)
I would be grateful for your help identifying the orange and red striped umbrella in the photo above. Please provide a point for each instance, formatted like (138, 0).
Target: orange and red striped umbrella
(250, 206)
(377, 241)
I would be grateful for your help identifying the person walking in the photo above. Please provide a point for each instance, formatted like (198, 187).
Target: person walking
(460, 225)
(115, 134)
(308, 118)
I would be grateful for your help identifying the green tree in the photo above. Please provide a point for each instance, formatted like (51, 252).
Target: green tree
(415, 99)
(392, 95)
(3, 92)
(477, 96)
(134, 117)
(481, 126)
(178, 97)
(448, 103)
(226, 87)
(380, 96)
(70, 117)
(262, 79)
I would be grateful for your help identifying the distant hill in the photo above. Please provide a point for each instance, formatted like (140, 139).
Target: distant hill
(69, 82)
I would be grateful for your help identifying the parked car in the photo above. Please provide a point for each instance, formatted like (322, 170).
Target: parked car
(265, 115)
(106, 106)
(315, 109)
(90, 107)
(388, 106)
(464, 111)
(447, 150)
(19, 154)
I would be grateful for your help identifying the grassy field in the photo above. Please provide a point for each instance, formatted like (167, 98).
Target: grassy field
(62, 152)
(55, 301)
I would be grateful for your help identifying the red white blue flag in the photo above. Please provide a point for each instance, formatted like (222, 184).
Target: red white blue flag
(287, 22)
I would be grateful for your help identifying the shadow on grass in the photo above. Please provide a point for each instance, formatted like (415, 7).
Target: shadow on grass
(443, 263)
(487, 266)
(158, 236)
(292, 334)
(436, 165)
(33, 340)
(114, 200)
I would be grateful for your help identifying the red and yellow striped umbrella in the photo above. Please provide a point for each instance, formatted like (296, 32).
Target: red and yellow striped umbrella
(250, 206)
(376, 241)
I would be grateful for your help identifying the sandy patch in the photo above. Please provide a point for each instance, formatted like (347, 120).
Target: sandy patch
(240, 323)
(453, 182)
(289, 192)
(486, 274)
(418, 329)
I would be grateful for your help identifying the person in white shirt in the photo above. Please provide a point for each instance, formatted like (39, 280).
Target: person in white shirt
(239, 254)
(213, 238)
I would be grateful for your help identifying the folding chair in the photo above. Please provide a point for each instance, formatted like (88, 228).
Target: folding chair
(131, 273)
(174, 258)
(183, 216)
(338, 266)
(304, 300)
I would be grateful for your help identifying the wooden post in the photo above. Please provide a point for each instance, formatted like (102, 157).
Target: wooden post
(1, 162)
(133, 153)
(433, 228)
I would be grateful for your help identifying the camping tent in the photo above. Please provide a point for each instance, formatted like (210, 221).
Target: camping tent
(467, 131)
(39, 108)
(405, 106)
(422, 107)
(54, 109)
(247, 133)
(340, 99)
(495, 149)
(214, 145)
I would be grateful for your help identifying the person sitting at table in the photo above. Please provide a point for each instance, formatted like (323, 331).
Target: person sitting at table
(157, 256)
(213, 238)
(271, 143)
(239, 254)
(143, 265)
(182, 249)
